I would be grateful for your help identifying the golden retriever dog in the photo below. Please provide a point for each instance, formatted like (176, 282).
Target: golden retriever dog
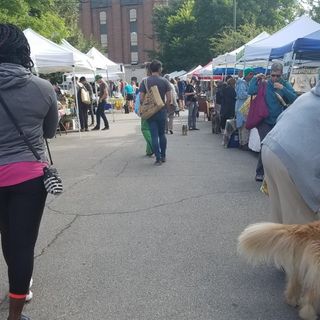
(296, 249)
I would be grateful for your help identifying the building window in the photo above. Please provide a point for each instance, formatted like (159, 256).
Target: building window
(103, 29)
(103, 17)
(133, 26)
(134, 57)
(104, 40)
(134, 38)
(133, 15)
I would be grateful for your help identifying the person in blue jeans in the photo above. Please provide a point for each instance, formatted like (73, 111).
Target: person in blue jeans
(103, 95)
(157, 122)
(192, 104)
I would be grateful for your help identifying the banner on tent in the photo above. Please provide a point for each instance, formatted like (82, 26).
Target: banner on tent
(304, 79)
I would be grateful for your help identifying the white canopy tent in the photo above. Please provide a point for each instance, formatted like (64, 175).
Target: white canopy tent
(231, 57)
(297, 29)
(48, 56)
(114, 70)
(190, 73)
(81, 61)
(175, 74)
(204, 71)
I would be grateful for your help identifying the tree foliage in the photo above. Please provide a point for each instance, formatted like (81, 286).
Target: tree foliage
(54, 19)
(230, 39)
(191, 32)
(312, 7)
(36, 14)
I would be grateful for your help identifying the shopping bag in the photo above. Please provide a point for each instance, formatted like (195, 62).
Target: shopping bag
(258, 107)
(152, 102)
(254, 140)
(85, 96)
(244, 109)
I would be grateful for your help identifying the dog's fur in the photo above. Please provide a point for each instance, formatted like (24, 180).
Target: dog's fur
(184, 130)
(296, 248)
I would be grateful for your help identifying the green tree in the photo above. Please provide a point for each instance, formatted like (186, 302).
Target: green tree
(192, 32)
(36, 14)
(312, 7)
(230, 39)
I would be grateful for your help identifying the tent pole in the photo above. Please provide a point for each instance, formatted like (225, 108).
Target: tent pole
(267, 68)
(76, 98)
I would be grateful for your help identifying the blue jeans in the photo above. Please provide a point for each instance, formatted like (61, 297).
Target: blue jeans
(192, 114)
(100, 114)
(157, 124)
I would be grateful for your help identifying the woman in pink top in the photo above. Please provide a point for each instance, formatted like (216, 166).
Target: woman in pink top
(33, 103)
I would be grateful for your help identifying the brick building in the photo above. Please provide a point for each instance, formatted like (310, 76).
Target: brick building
(122, 26)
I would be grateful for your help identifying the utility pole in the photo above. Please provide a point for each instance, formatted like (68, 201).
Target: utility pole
(235, 15)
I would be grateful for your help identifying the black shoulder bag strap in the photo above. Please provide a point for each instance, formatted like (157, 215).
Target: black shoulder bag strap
(21, 133)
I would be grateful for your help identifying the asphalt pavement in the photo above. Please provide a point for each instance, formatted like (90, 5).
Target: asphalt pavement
(128, 240)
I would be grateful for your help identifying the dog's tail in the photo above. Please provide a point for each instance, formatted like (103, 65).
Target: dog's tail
(267, 242)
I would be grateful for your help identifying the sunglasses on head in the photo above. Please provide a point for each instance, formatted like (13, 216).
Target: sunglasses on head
(276, 75)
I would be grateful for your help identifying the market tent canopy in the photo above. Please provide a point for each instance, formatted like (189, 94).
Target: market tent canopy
(194, 70)
(81, 61)
(175, 74)
(102, 62)
(48, 56)
(233, 56)
(191, 72)
(91, 76)
(225, 71)
(306, 48)
(204, 71)
(261, 50)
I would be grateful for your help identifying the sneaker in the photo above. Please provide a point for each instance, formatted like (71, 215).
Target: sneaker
(259, 177)
(158, 163)
(24, 317)
(86, 129)
(29, 296)
(105, 128)
(163, 159)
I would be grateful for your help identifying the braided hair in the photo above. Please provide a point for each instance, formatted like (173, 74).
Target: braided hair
(14, 46)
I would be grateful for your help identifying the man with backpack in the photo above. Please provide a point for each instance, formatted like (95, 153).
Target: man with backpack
(88, 87)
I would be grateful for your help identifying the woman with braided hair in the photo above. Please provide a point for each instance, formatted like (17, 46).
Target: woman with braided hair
(32, 101)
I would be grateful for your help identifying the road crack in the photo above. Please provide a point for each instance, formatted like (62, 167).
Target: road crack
(56, 237)
(159, 205)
